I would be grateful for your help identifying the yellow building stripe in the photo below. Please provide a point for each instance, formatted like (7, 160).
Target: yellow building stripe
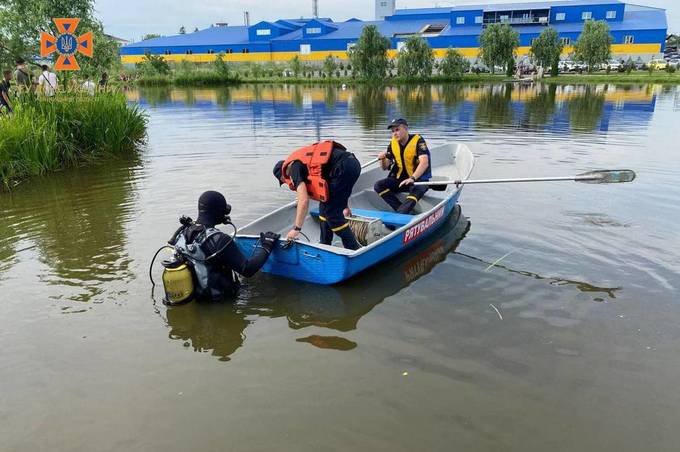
(469, 52)
(384, 192)
(340, 228)
(412, 198)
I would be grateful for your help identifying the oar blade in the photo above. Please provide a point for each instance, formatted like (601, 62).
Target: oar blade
(606, 176)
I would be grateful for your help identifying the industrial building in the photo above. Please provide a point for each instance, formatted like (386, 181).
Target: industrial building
(637, 31)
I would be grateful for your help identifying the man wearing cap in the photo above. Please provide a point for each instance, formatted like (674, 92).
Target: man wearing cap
(408, 159)
(325, 172)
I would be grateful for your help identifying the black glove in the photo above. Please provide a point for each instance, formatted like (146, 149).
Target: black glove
(268, 239)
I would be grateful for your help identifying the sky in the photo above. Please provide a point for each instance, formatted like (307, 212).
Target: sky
(131, 19)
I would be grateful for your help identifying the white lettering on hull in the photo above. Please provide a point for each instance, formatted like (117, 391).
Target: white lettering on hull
(415, 231)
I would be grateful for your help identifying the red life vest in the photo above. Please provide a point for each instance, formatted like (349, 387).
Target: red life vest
(313, 157)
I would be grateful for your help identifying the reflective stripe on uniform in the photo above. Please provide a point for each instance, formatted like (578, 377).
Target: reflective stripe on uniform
(412, 197)
(340, 228)
(322, 218)
(384, 192)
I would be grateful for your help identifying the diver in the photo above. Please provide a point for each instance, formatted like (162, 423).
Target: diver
(207, 260)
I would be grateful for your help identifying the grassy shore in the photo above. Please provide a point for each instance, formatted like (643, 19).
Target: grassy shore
(48, 134)
(633, 77)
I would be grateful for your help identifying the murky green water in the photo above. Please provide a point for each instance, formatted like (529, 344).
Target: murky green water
(570, 342)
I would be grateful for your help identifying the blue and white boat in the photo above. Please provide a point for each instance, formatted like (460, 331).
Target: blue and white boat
(385, 232)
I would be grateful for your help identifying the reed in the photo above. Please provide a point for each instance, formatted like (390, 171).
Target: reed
(45, 135)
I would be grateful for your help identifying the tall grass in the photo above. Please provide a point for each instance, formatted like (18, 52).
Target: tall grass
(49, 134)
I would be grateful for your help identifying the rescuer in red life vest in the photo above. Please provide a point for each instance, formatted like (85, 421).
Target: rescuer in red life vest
(325, 172)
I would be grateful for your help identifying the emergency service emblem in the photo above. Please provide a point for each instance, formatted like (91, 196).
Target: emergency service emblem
(66, 44)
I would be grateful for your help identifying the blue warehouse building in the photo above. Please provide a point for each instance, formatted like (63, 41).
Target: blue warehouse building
(637, 31)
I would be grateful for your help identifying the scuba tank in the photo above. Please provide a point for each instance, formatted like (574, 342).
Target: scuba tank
(186, 274)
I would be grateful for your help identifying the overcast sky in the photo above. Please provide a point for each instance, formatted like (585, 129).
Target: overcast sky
(130, 19)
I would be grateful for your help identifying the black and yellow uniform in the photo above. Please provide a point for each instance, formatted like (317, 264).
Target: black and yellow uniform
(404, 160)
(341, 173)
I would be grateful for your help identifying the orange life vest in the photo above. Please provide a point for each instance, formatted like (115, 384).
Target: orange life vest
(313, 157)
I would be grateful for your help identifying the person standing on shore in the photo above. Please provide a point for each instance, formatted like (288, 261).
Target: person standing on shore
(48, 81)
(104, 82)
(22, 76)
(4, 92)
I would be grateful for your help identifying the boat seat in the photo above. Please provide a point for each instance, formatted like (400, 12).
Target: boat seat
(388, 218)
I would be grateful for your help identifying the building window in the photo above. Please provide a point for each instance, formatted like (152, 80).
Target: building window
(264, 32)
(189, 52)
(460, 20)
(305, 49)
(383, 4)
(505, 18)
(560, 16)
(628, 39)
(314, 31)
(586, 15)
(479, 19)
(611, 14)
(565, 41)
(168, 52)
(211, 51)
(229, 51)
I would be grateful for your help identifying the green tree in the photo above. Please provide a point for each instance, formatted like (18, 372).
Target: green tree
(195, 29)
(296, 65)
(369, 55)
(594, 45)
(498, 44)
(220, 66)
(415, 58)
(454, 64)
(329, 66)
(547, 48)
(150, 36)
(154, 64)
(182, 30)
(104, 58)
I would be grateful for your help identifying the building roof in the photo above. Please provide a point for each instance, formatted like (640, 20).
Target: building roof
(502, 6)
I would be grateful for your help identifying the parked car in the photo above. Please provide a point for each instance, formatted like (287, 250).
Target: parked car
(658, 64)
(675, 62)
(614, 65)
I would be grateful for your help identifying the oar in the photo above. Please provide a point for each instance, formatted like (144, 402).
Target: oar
(375, 160)
(591, 177)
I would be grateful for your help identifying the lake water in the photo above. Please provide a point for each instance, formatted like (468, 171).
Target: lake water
(553, 323)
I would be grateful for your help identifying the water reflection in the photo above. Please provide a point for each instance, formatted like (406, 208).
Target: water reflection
(220, 328)
(538, 106)
(585, 109)
(75, 221)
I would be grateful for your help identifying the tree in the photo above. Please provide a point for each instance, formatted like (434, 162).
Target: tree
(594, 45)
(154, 64)
(296, 66)
(195, 29)
(106, 55)
(415, 59)
(498, 43)
(220, 66)
(182, 30)
(150, 36)
(547, 48)
(369, 55)
(329, 66)
(454, 64)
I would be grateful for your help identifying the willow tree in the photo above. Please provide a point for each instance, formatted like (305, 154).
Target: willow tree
(369, 55)
(547, 48)
(594, 45)
(454, 64)
(498, 44)
(415, 59)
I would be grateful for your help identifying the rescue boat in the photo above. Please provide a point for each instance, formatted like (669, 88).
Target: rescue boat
(384, 232)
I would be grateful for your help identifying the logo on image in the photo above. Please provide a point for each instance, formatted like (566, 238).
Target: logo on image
(66, 44)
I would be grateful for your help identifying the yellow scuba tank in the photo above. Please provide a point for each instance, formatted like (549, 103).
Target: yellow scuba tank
(178, 281)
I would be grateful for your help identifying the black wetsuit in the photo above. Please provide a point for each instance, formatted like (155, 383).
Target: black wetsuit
(221, 267)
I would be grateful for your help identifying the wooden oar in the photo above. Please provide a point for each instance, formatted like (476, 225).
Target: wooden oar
(591, 177)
